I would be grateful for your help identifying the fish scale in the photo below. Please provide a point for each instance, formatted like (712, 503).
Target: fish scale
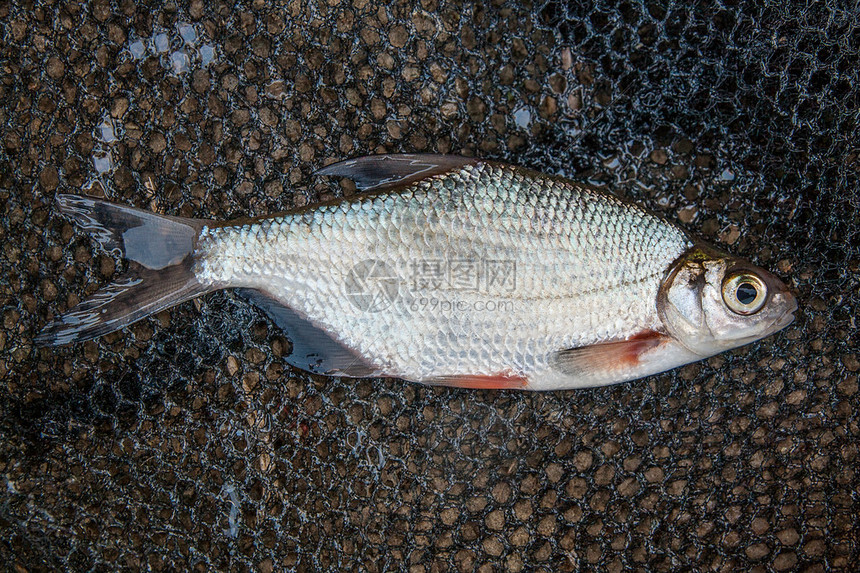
(590, 275)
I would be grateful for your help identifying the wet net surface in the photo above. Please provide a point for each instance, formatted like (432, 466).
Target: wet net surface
(186, 442)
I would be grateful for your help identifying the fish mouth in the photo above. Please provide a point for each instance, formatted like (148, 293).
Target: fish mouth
(787, 317)
(783, 321)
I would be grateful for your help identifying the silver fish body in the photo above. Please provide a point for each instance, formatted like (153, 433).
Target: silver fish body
(470, 273)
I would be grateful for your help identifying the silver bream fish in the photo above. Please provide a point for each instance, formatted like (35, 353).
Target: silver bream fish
(448, 270)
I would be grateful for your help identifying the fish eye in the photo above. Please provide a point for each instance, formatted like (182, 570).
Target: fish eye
(744, 293)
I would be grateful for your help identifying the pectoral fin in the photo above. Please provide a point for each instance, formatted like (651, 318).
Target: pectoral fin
(611, 362)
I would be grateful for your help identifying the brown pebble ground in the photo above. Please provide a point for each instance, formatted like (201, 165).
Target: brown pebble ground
(185, 441)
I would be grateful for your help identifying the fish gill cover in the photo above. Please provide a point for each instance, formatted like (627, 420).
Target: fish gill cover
(185, 441)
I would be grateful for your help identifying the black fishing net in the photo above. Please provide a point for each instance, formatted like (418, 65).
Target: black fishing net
(185, 442)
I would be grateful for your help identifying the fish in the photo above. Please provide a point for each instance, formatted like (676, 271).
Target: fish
(445, 270)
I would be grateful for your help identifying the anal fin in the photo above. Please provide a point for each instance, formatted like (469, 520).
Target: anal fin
(314, 350)
(501, 381)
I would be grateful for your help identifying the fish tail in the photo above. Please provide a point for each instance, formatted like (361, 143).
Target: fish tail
(160, 274)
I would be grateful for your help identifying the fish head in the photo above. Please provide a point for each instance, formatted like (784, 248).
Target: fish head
(711, 301)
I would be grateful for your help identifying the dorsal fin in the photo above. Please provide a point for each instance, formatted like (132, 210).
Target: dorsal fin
(314, 350)
(376, 172)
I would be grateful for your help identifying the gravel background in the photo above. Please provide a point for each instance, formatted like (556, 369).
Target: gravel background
(185, 441)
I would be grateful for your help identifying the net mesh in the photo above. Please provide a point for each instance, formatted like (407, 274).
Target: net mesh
(187, 442)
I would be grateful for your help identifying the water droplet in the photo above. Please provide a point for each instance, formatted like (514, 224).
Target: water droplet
(137, 49)
(180, 62)
(162, 43)
(107, 132)
(612, 162)
(522, 117)
(573, 131)
(102, 161)
(727, 175)
(207, 54)
(188, 33)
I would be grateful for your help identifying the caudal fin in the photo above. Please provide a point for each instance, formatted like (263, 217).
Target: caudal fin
(160, 273)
